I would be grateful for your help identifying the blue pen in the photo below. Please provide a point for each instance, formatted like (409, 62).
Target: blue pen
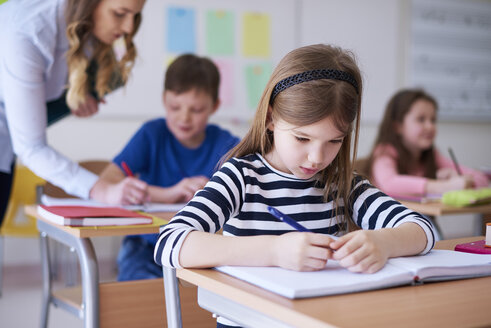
(288, 220)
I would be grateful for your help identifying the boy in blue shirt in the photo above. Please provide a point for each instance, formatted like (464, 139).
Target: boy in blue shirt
(173, 157)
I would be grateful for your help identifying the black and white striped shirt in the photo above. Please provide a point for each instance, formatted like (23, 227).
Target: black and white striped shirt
(237, 196)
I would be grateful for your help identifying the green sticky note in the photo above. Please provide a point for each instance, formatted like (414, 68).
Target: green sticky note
(257, 76)
(220, 32)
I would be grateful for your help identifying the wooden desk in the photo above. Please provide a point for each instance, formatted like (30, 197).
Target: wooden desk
(78, 238)
(437, 208)
(456, 303)
(141, 303)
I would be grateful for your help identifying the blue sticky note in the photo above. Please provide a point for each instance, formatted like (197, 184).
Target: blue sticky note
(181, 35)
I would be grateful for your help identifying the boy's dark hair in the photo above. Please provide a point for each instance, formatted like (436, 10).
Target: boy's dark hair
(189, 71)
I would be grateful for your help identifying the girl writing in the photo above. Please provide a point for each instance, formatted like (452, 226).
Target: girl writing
(405, 160)
(296, 158)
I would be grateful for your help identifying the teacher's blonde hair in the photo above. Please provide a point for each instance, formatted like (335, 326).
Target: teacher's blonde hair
(78, 15)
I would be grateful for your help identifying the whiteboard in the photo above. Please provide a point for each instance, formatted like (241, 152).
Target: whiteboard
(371, 30)
(157, 46)
(450, 56)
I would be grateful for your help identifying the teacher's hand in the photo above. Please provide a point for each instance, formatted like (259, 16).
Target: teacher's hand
(88, 108)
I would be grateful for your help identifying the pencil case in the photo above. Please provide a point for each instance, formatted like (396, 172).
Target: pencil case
(467, 197)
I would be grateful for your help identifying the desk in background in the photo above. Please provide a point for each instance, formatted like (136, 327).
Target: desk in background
(85, 302)
(444, 304)
(439, 209)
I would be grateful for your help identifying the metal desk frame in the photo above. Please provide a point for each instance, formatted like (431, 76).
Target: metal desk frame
(90, 275)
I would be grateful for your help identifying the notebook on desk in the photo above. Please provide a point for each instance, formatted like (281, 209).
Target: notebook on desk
(148, 207)
(83, 216)
(435, 266)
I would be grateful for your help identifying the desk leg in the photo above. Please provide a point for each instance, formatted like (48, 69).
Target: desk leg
(90, 281)
(88, 265)
(172, 298)
(45, 265)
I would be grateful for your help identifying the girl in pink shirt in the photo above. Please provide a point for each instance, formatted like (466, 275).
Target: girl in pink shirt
(404, 159)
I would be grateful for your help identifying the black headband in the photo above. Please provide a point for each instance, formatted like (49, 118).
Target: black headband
(316, 74)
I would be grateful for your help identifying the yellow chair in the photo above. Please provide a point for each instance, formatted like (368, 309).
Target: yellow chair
(23, 193)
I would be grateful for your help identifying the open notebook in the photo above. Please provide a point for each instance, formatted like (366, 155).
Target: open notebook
(435, 266)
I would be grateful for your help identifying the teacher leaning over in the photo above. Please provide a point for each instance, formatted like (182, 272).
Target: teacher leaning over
(55, 53)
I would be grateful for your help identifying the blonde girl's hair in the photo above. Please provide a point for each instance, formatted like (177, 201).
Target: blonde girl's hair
(307, 103)
(396, 110)
(110, 72)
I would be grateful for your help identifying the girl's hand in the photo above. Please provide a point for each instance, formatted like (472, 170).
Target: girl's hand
(361, 251)
(88, 108)
(460, 182)
(183, 191)
(446, 173)
(302, 251)
(129, 191)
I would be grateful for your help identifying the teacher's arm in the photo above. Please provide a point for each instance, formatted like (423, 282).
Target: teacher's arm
(23, 83)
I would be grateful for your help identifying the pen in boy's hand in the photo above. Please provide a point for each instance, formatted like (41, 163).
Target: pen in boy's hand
(288, 220)
(126, 169)
(454, 159)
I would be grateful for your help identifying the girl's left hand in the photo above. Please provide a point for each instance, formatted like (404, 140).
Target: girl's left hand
(361, 251)
(88, 108)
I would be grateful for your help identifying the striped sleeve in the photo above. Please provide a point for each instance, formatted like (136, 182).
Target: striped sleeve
(207, 211)
(372, 209)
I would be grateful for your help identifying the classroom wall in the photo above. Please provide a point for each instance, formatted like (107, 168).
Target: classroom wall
(375, 30)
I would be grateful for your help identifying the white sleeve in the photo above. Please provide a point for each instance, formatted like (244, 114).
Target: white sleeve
(23, 84)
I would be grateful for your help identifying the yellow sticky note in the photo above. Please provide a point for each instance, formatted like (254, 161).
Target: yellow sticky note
(256, 30)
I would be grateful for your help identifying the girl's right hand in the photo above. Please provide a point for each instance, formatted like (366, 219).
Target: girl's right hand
(460, 182)
(446, 173)
(129, 191)
(302, 251)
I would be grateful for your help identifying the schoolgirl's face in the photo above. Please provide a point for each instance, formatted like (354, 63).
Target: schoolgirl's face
(304, 150)
(115, 18)
(418, 128)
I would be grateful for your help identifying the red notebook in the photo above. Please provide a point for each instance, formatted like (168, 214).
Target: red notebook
(474, 247)
(91, 216)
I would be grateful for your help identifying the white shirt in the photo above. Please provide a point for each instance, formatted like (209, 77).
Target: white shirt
(33, 70)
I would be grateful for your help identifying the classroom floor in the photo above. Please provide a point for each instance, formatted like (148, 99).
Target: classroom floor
(20, 303)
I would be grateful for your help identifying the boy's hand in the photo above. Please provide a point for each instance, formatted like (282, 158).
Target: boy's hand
(302, 251)
(361, 251)
(187, 187)
(129, 191)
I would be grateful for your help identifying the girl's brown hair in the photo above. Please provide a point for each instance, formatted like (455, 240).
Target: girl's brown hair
(397, 108)
(310, 102)
(78, 15)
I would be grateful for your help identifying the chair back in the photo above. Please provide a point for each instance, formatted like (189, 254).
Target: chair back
(361, 166)
(23, 193)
